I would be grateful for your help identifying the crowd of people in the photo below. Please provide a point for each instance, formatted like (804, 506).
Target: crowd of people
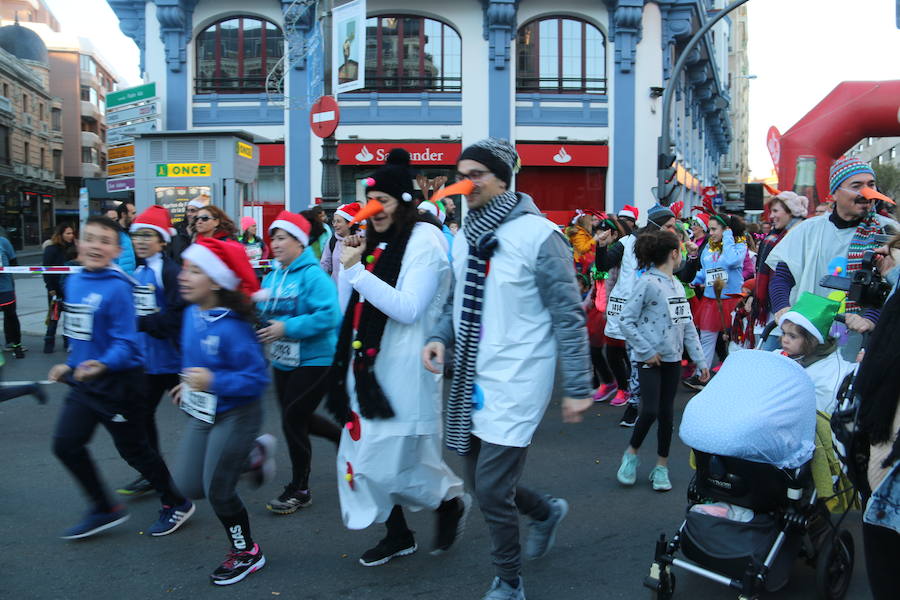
(367, 315)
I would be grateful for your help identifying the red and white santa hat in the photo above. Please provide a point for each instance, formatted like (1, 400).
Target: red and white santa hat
(294, 224)
(348, 211)
(156, 218)
(629, 212)
(702, 219)
(226, 263)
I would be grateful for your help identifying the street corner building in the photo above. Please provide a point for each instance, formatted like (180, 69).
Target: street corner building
(577, 88)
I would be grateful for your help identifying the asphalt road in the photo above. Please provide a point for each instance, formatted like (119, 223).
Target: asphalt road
(603, 550)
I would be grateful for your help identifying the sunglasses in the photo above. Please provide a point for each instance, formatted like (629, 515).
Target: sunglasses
(205, 218)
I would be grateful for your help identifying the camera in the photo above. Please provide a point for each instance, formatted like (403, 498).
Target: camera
(866, 286)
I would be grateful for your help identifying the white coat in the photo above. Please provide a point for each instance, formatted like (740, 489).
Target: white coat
(624, 285)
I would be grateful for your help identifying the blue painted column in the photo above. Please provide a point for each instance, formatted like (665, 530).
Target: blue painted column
(499, 29)
(626, 24)
(175, 21)
(300, 71)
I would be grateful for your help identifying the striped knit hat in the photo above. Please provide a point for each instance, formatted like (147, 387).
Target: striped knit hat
(844, 168)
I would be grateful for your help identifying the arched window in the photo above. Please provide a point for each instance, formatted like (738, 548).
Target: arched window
(561, 55)
(235, 54)
(406, 53)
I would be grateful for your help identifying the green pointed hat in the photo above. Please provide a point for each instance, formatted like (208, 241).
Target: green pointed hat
(813, 313)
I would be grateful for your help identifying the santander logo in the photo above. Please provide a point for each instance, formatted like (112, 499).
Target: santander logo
(364, 155)
(562, 157)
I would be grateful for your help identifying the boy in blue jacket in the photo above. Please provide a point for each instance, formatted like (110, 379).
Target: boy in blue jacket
(105, 373)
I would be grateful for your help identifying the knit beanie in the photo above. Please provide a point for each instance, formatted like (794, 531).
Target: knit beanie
(395, 178)
(797, 205)
(844, 168)
(659, 214)
(499, 156)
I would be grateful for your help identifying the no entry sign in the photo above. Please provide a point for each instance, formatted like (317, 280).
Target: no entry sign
(324, 116)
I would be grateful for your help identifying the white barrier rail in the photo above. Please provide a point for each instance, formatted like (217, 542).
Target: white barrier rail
(39, 269)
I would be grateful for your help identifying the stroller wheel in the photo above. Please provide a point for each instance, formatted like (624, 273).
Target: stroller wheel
(834, 566)
(666, 588)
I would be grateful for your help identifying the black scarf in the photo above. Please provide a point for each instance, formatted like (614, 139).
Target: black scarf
(373, 404)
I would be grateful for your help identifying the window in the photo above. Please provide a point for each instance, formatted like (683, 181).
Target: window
(41, 111)
(4, 145)
(235, 55)
(56, 119)
(57, 163)
(25, 103)
(893, 153)
(6, 90)
(88, 64)
(90, 155)
(43, 158)
(27, 149)
(561, 55)
(89, 94)
(409, 53)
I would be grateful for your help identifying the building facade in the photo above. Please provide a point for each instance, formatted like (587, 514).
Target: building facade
(575, 87)
(734, 170)
(31, 141)
(878, 151)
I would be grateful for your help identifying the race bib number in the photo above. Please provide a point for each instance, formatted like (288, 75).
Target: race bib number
(145, 300)
(78, 322)
(679, 310)
(285, 352)
(614, 306)
(714, 275)
(200, 405)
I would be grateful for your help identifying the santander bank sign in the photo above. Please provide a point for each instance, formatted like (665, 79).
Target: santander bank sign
(375, 153)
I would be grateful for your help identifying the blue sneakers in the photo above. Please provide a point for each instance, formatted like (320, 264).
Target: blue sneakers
(171, 518)
(95, 522)
(542, 534)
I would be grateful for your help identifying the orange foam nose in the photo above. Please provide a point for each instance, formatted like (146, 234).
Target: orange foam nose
(372, 208)
(463, 187)
(870, 194)
(771, 190)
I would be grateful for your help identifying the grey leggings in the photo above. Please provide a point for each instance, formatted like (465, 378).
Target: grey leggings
(211, 458)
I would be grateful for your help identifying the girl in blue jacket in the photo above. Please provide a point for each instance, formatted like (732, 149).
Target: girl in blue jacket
(223, 378)
(301, 317)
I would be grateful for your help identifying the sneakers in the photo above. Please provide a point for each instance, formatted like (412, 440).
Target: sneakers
(620, 398)
(136, 488)
(606, 392)
(388, 549)
(693, 383)
(262, 460)
(630, 416)
(18, 350)
(500, 590)
(542, 534)
(627, 473)
(238, 564)
(171, 518)
(451, 525)
(659, 478)
(290, 500)
(39, 394)
(95, 522)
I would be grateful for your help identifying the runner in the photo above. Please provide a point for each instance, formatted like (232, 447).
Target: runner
(390, 452)
(223, 378)
(300, 318)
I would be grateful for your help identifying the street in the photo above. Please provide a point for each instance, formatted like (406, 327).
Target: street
(603, 550)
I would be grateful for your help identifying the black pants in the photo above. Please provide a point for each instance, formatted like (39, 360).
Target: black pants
(11, 327)
(157, 386)
(658, 388)
(617, 357)
(882, 547)
(74, 430)
(300, 391)
(52, 326)
(602, 372)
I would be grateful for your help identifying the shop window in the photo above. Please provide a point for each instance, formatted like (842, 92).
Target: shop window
(235, 55)
(406, 53)
(560, 55)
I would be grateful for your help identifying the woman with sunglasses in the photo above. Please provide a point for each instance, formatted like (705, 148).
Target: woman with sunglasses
(212, 221)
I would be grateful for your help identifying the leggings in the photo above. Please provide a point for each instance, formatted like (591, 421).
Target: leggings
(602, 372)
(11, 327)
(619, 364)
(658, 386)
(300, 391)
(882, 546)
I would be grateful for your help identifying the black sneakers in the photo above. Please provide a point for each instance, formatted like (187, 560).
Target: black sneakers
(387, 549)
(693, 383)
(451, 524)
(290, 500)
(238, 564)
(630, 416)
(136, 488)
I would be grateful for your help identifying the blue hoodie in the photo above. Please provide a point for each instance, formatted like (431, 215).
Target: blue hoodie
(304, 296)
(160, 331)
(126, 260)
(105, 295)
(224, 343)
(730, 258)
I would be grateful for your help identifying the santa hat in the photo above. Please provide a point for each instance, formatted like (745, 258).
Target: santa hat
(226, 263)
(247, 223)
(629, 212)
(434, 208)
(156, 218)
(294, 224)
(348, 211)
(813, 313)
(702, 219)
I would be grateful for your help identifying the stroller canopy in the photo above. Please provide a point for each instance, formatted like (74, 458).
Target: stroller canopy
(760, 407)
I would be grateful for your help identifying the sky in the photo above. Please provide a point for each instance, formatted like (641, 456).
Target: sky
(799, 51)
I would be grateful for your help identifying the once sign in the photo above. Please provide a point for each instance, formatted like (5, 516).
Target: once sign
(184, 170)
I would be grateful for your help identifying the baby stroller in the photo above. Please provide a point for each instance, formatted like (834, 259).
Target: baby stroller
(753, 508)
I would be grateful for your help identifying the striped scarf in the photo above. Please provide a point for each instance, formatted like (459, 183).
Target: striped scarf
(479, 228)
(863, 239)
